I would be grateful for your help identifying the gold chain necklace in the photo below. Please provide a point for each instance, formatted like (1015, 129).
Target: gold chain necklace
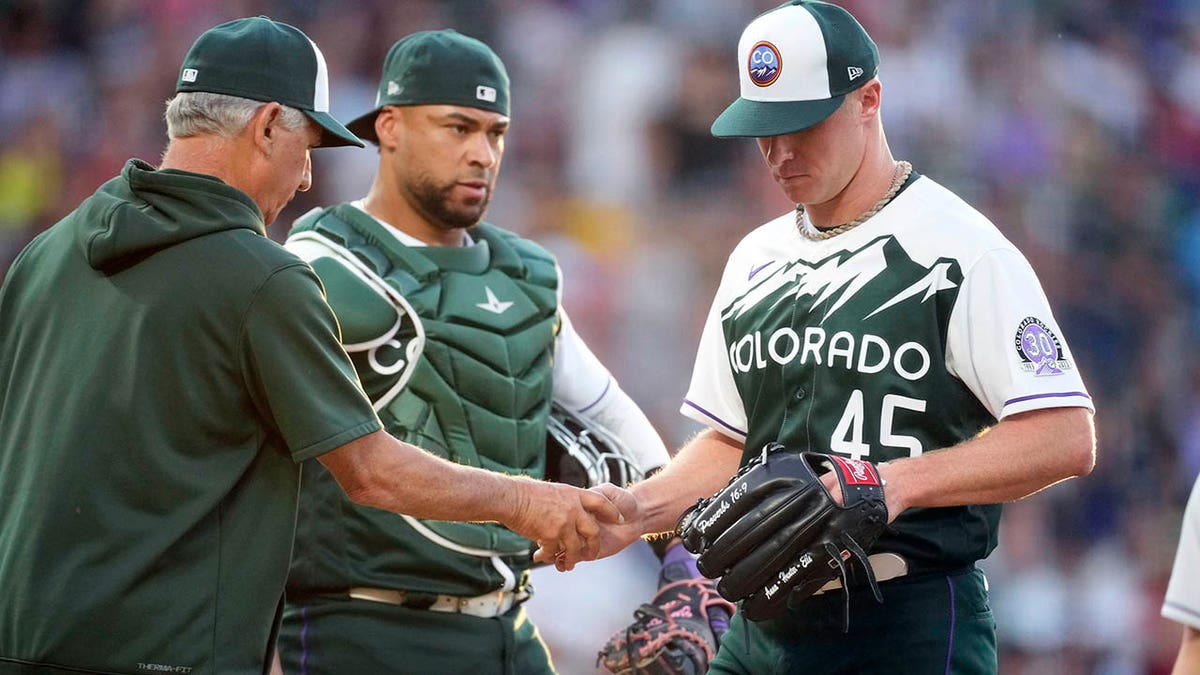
(899, 177)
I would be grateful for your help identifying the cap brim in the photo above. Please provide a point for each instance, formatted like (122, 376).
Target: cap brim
(758, 119)
(363, 126)
(333, 134)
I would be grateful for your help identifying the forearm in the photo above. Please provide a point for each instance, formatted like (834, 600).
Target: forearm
(700, 468)
(382, 472)
(1014, 459)
(379, 471)
(1188, 660)
(660, 545)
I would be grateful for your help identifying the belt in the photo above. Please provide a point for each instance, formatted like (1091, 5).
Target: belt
(885, 565)
(487, 605)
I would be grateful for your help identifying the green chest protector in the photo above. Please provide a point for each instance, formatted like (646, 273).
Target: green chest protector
(453, 345)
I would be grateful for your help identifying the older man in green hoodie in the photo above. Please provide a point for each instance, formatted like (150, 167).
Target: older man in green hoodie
(164, 369)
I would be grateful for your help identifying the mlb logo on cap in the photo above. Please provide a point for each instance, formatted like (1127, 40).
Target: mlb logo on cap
(438, 67)
(797, 63)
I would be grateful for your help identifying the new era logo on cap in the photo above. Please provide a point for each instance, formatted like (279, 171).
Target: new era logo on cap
(854, 72)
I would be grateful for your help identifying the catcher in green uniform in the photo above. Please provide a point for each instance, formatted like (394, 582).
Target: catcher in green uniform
(880, 369)
(455, 328)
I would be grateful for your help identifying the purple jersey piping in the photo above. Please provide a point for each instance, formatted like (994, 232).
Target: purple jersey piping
(304, 641)
(950, 640)
(714, 418)
(598, 398)
(1060, 394)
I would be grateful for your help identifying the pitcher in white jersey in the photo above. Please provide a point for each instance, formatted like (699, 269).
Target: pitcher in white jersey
(884, 320)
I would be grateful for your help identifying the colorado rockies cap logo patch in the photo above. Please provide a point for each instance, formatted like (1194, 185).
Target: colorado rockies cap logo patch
(1040, 351)
(765, 64)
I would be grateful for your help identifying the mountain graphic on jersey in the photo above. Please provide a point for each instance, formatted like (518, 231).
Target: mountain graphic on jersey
(848, 353)
(827, 286)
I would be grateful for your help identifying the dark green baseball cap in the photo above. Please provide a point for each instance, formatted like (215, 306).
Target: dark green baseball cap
(264, 60)
(796, 64)
(440, 67)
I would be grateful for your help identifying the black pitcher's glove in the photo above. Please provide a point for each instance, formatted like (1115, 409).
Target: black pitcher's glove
(672, 635)
(775, 533)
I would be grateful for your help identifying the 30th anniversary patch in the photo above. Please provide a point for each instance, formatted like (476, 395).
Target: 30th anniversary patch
(1039, 348)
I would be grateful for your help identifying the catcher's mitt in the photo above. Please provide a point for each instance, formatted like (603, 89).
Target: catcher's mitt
(775, 533)
(671, 635)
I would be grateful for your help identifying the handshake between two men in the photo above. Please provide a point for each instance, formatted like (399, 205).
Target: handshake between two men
(785, 525)
(782, 527)
(566, 521)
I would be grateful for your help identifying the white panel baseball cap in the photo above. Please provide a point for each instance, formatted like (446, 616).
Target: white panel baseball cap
(797, 62)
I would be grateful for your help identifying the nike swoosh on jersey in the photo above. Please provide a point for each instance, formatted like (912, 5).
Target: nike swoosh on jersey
(755, 270)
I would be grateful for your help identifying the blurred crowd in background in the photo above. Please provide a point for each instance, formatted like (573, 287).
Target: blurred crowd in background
(1073, 124)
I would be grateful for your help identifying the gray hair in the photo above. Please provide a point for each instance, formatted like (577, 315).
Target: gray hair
(192, 113)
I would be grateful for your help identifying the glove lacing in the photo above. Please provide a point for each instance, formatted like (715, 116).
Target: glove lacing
(861, 556)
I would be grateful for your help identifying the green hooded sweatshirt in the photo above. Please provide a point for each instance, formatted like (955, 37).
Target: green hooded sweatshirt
(164, 366)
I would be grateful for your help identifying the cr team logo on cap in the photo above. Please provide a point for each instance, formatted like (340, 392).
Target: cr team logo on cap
(765, 64)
